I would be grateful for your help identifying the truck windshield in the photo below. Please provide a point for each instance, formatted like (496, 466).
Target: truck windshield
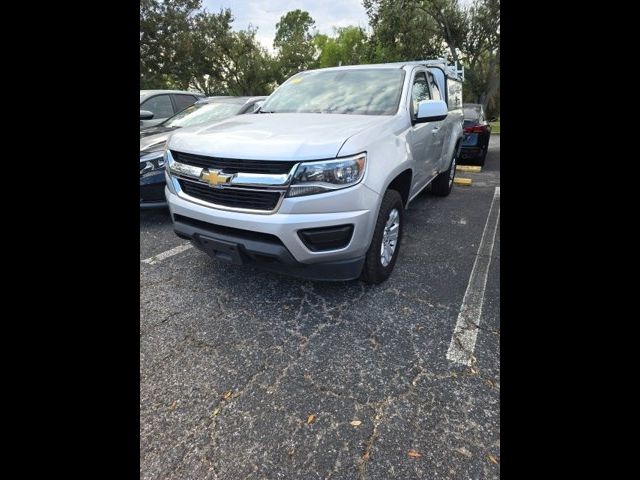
(358, 91)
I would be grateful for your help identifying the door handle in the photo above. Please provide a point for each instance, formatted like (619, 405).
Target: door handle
(435, 130)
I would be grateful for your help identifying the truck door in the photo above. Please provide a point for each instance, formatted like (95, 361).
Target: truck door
(440, 130)
(421, 138)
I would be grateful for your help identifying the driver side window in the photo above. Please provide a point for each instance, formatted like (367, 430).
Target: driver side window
(419, 92)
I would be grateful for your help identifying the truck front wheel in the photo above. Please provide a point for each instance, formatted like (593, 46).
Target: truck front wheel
(385, 244)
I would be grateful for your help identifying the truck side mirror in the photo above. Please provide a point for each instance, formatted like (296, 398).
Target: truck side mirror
(431, 111)
(146, 115)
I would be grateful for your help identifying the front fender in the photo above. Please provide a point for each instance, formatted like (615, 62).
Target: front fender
(388, 153)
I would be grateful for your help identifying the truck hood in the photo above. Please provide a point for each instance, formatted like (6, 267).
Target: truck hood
(274, 136)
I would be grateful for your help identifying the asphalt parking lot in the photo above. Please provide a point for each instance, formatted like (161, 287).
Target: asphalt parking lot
(248, 374)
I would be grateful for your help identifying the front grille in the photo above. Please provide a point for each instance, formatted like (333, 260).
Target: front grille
(230, 165)
(230, 197)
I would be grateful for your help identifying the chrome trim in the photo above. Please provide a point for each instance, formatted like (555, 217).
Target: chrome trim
(228, 186)
(264, 179)
(259, 182)
(243, 184)
(184, 169)
(180, 193)
(267, 180)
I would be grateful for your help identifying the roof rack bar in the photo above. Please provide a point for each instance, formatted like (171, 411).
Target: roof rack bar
(443, 63)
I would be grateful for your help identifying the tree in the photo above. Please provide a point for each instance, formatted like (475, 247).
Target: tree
(164, 29)
(212, 40)
(294, 43)
(250, 70)
(419, 29)
(402, 31)
(349, 47)
(482, 54)
(451, 20)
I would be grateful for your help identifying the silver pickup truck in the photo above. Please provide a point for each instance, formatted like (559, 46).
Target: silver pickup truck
(316, 183)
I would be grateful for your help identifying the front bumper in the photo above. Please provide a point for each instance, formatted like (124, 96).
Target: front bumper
(276, 235)
(241, 247)
(152, 186)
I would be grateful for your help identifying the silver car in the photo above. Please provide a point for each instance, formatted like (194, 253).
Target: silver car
(316, 184)
(158, 105)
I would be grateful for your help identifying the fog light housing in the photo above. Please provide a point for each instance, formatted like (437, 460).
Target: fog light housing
(326, 238)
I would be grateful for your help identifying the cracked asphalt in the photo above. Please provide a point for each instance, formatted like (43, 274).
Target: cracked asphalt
(233, 360)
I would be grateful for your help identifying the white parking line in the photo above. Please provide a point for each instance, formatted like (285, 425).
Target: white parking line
(463, 342)
(169, 253)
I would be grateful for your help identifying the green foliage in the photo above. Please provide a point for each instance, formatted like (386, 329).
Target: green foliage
(249, 70)
(482, 55)
(165, 28)
(294, 43)
(402, 31)
(349, 47)
(211, 42)
(418, 29)
(183, 46)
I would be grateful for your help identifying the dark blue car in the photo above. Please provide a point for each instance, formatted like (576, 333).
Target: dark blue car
(153, 139)
(477, 132)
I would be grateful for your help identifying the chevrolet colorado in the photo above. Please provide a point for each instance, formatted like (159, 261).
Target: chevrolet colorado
(315, 185)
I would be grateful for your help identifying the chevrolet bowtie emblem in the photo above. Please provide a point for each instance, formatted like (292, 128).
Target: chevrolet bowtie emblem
(215, 178)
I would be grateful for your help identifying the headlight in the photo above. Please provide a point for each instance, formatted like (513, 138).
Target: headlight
(327, 175)
(152, 158)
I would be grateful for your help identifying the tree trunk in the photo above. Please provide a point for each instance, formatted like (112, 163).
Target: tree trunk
(493, 83)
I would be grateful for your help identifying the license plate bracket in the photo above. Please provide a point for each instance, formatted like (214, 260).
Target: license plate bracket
(226, 251)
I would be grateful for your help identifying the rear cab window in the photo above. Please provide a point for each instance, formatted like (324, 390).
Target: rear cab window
(454, 94)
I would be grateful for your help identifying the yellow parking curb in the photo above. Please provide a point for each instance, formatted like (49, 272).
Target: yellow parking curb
(462, 181)
(468, 168)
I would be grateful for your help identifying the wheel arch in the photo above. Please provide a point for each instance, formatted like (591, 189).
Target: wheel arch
(402, 184)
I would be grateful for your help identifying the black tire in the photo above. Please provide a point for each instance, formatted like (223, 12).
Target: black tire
(374, 271)
(443, 183)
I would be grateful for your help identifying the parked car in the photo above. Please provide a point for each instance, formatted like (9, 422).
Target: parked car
(477, 132)
(158, 105)
(153, 139)
(317, 183)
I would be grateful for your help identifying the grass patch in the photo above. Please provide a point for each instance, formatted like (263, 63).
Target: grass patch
(495, 127)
